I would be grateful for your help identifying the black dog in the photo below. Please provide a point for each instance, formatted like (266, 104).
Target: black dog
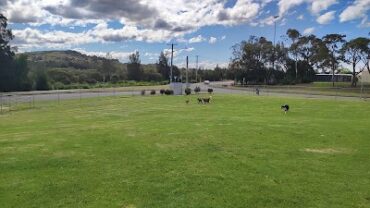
(285, 108)
(206, 100)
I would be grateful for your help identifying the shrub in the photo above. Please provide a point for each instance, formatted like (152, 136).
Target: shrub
(59, 86)
(41, 82)
(152, 92)
(143, 92)
(187, 91)
(210, 90)
(169, 92)
(197, 89)
(162, 91)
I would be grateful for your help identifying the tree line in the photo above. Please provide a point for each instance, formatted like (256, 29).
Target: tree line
(259, 60)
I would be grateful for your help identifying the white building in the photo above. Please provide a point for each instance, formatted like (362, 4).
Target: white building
(364, 77)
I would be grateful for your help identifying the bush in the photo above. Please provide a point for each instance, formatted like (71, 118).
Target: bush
(152, 92)
(197, 90)
(169, 92)
(210, 90)
(187, 91)
(162, 91)
(142, 92)
(41, 82)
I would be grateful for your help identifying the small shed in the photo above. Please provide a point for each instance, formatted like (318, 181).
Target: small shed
(177, 88)
(364, 77)
(337, 77)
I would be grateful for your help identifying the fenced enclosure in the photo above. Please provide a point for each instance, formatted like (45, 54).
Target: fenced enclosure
(28, 100)
(9, 102)
(307, 91)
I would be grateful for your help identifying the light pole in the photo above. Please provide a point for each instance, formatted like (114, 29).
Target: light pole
(273, 63)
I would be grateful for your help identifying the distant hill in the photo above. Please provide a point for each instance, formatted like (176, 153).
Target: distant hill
(66, 59)
(72, 67)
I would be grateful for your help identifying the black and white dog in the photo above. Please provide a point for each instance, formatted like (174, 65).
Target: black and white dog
(285, 108)
(204, 100)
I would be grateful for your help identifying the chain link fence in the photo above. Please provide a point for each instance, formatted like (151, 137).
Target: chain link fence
(28, 100)
(304, 91)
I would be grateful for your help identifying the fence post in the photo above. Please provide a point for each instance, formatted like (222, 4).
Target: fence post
(10, 102)
(58, 97)
(15, 102)
(33, 101)
(1, 103)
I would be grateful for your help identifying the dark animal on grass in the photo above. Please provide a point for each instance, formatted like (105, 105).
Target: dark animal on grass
(206, 100)
(285, 108)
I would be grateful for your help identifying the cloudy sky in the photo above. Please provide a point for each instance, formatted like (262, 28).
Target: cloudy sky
(207, 28)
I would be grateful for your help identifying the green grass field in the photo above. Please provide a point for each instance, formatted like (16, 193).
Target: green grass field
(157, 151)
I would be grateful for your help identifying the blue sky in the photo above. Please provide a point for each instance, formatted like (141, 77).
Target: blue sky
(207, 28)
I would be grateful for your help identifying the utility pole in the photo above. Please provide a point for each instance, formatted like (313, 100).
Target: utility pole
(196, 70)
(274, 54)
(171, 70)
(187, 69)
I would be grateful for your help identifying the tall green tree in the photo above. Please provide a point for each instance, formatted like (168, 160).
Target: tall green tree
(162, 66)
(6, 35)
(13, 72)
(353, 52)
(294, 36)
(107, 69)
(309, 49)
(6, 54)
(332, 58)
(134, 69)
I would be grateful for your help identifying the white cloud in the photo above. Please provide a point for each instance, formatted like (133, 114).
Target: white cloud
(32, 38)
(143, 20)
(316, 6)
(203, 64)
(309, 31)
(197, 39)
(286, 5)
(365, 22)
(177, 52)
(358, 10)
(270, 20)
(326, 18)
(212, 40)
(300, 17)
(321, 5)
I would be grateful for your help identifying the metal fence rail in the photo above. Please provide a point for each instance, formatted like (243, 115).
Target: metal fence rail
(305, 91)
(28, 100)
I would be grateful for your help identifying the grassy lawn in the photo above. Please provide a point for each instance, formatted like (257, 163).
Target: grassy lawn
(159, 152)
